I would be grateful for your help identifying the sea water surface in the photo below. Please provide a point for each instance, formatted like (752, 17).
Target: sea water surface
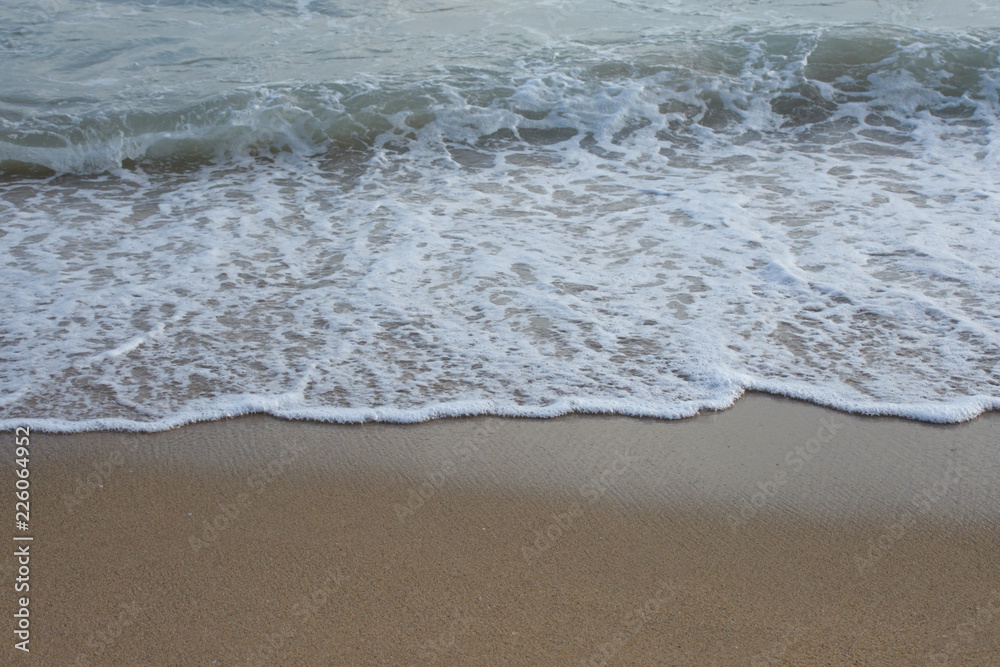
(396, 211)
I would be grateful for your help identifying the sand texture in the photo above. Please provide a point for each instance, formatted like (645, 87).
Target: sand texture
(774, 533)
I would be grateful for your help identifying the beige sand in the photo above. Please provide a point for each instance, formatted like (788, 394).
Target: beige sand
(774, 533)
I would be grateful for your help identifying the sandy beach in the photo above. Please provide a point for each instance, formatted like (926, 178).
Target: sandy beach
(313, 244)
(773, 533)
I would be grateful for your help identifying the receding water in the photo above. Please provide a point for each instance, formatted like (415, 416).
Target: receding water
(401, 210)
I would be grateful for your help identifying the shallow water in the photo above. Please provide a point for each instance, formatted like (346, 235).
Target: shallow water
(355, 211)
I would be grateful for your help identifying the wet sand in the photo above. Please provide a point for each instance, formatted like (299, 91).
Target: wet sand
(773, 533)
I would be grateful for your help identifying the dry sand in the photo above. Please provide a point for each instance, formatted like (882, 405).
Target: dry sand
(774, 533)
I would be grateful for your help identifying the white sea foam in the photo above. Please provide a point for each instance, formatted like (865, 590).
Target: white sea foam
(645, 228)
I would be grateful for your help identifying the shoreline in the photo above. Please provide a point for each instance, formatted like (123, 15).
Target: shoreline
(774, 532)
(964, 411)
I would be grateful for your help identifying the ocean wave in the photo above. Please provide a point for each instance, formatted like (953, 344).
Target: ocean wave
(876, 87)
(647, 227)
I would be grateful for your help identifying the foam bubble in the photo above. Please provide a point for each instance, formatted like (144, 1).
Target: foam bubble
(610, 232)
